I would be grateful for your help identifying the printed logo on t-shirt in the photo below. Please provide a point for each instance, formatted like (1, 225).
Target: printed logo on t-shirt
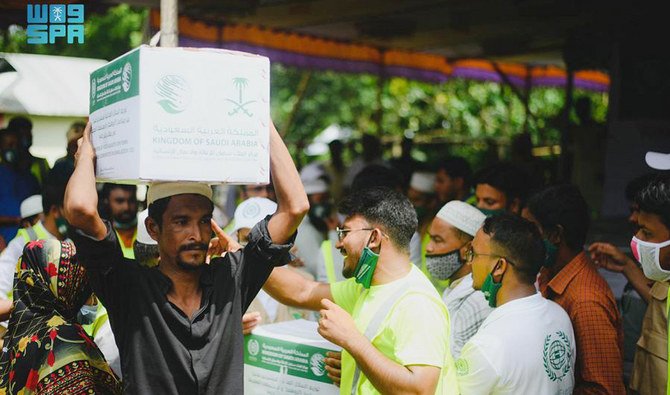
(557, 355)
(462, 367)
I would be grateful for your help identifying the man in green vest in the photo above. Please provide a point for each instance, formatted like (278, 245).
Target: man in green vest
(119, 205)
(39, 167)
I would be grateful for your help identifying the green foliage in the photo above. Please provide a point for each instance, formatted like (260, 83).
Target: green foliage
(106, 36)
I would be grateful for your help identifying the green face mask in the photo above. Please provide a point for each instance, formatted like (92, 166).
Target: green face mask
(552, 252)
(492, 213)
(365, 267)
(490, 289)
(62, 225)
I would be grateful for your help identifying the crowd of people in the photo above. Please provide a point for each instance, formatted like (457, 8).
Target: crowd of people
(432, 278)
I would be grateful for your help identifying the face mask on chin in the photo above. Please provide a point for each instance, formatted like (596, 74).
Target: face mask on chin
(490, 288)
(365, 268)
(9, 156)
(551, 253)
(649, 256)
(125, 225)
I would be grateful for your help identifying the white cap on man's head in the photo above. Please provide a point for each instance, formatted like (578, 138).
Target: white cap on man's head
(462, 216)
(423, 182)
(658, 160)
(252, 211)
(31, 206)
(160, 190)
(315, 186)
(142, 233)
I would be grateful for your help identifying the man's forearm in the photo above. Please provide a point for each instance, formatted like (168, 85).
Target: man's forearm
(386, 375)
(637, 279)
(292, 203)
(81, 197)
(292, 289)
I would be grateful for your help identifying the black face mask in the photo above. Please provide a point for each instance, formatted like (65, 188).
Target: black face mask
(317, 215)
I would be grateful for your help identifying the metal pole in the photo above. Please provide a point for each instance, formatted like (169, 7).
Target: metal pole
(169, 23)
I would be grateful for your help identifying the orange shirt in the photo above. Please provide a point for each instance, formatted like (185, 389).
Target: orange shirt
(589, 302)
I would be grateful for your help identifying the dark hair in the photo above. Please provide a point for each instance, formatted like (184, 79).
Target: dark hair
(386, 208)
(457, 167)
(377, 176)
(157, 209)
(53, 193)
(19, 123)
(519, 241)
(507, 178)
(637, 184)
(562, 205)
(655, 198)
(108, 187)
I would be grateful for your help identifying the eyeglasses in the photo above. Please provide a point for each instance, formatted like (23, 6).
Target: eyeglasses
(470, 256)
(342, 232)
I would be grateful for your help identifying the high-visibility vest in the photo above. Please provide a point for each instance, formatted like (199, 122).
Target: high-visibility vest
(327, 252)
(128, 252)
(101, 317)
(440, 285)
(35, 232)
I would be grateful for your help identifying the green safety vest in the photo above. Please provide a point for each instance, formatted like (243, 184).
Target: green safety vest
(440, 285)
(128, 252)
(101, 317)
(35, 232)
(39, 169)
(327, 253)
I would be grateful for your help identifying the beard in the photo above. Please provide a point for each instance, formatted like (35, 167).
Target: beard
(191, 265)
(347, 268)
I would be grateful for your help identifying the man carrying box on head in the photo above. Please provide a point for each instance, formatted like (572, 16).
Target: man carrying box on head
(387, 316)
(177, 325)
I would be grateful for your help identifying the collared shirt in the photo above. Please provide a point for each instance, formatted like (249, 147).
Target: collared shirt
(468, 308)
(589, 302)
(162, 350)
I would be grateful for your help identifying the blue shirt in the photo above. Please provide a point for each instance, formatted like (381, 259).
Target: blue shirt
(14, 188)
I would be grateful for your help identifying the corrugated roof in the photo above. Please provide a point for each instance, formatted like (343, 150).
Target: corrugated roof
(45, 85)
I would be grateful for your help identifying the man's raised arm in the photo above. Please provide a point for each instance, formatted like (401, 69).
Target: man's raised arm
(81, 197)
(292, 203)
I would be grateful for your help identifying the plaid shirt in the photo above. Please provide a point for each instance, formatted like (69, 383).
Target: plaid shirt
(589, 302)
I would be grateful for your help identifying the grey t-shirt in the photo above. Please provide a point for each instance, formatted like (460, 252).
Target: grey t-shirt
(162, 350)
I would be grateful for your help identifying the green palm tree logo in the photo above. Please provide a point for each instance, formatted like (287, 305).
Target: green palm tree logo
(240, 105)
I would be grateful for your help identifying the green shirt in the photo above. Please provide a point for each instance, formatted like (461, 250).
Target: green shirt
(415, 332)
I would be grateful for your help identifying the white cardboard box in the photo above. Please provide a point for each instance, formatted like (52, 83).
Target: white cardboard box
(287, 358)
(182, 114)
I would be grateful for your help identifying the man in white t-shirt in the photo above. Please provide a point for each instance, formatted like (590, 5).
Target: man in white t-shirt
(526, 345)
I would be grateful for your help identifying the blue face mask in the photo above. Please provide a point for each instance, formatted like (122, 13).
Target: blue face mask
(62, 225)
(86, 314)
(552, 253)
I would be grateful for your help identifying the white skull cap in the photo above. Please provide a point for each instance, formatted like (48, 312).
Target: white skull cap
(462, 216)
(252, 211)
(142, 233)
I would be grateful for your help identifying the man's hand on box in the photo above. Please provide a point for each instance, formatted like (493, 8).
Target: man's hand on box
(85, 145)
(221, 244)
(337, 326)
(250, 321)
(334, 366)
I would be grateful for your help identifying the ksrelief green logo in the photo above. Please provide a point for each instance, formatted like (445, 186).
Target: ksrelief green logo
(317, 364)
(462, 367)
(557, 355)
(253, 347)
(174, 94)
(240, 106)
(126, 77)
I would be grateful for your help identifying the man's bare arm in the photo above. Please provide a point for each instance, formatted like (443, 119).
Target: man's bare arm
(292, 203)
(292, 289)
(81, 197)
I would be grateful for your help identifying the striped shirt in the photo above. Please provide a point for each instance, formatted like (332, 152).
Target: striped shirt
(467, 310)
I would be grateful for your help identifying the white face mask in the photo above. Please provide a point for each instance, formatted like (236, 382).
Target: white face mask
(648, 254)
